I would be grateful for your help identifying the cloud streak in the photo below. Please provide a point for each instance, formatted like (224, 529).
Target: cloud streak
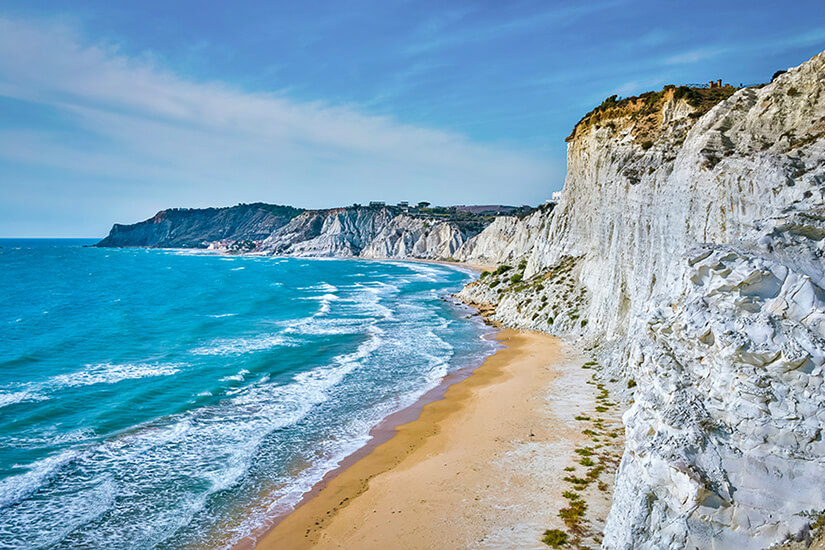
(176, 141)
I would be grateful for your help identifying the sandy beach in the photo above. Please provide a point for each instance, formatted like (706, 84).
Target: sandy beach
(482, 467)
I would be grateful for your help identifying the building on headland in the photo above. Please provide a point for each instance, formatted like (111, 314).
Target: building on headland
(404, 204)
(556, 196)
(377, 204)
(716, 84)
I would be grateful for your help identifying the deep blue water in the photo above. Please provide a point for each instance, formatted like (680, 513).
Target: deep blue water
(154, 398)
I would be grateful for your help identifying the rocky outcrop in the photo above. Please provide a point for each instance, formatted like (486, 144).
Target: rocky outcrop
(687, 251)
(202, 227)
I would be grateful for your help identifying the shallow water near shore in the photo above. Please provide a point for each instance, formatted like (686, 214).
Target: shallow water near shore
(147, 395)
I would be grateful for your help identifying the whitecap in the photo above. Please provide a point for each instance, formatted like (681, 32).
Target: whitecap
(235, 377)
(10, 398)
(112, 373)
(319, 326)
(17, 487)
(425, 272)
(238, 346)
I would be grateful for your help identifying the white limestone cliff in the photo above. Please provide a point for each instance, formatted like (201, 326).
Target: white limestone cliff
(366, 233)
(687, 249)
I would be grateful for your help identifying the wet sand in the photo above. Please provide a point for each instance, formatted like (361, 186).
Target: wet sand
(482, 467)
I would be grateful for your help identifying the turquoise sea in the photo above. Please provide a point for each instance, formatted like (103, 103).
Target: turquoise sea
(159, 399)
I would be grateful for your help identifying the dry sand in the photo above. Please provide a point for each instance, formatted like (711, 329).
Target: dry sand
(482, 467)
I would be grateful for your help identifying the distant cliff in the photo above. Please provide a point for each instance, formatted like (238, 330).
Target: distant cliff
(202, 227)
(355, 231)
(367, 232)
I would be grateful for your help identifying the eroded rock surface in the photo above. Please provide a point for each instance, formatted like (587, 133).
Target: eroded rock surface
(687, 249)
(364, 232)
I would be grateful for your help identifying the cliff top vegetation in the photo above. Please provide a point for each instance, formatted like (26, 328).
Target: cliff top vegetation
(647, 107)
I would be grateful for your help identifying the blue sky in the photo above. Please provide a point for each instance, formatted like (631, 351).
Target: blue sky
(110, 111)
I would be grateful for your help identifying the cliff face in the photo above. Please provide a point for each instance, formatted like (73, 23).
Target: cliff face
(199, 228)
(365, 232)
(688, 250)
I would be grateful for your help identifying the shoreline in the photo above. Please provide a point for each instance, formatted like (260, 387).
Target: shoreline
(388, 427)
(406, 471)
(381, 433)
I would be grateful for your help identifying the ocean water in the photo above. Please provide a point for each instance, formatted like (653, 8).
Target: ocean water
(161, 399)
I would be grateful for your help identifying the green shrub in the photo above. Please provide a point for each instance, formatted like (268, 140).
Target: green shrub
(594, 473)
(584, 323)
(555, 538)
(793, 92)
(647, 145)
(586, 461)
(579, 482)
(631, 383)
(522, 265)
(501, 269)
(573, 514)
(516, 278)
(484, 274)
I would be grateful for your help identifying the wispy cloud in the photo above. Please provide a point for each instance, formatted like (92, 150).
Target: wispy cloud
(693, 56)
(774, 44)
(180, 138)
(456, 28)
